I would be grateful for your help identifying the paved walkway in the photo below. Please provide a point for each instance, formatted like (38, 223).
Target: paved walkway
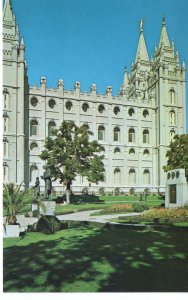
(86, 216)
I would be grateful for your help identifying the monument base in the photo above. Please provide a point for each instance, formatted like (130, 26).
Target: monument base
(47, 208)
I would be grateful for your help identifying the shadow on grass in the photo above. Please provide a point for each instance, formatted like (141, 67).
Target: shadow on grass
(86, 259)
(80, 199)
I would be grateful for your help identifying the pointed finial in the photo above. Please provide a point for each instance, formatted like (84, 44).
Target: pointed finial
(164, 21)
(141, 26)
(183, 64)
(125, 69)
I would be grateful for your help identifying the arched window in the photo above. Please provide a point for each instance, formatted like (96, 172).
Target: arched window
(101, 108)
(51, 126)
(131, 112)
(146, 136)
(132, 176)
(101, 133)
(5, 147)
(33, 127)
(33, 146)
(68, 105)
(132, 152)
(145, 113)
(34, 101)
(85, 107)
(116, 134)
(117, 176)
(51, 103)
(131, 137)
(172, 118)
(172, 96)
(172, 134)
(116, 110)
(5, 172)
(116, 151)
(33, 173)
(146, 152)
(146, 177)
(6, 99)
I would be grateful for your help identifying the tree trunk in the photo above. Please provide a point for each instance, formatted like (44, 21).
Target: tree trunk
(68, 193)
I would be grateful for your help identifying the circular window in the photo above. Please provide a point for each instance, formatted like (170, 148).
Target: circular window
(168, 176)
(177, 174)
(33, 146)
(101, 108)
(173, 175)
(131, 112)
(116, 110)
(85, 107)
(132, 152)
(51, 103)
(68, 105)
(145, 113)
(34, 102)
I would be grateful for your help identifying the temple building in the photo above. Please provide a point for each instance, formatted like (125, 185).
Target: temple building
(135, 127)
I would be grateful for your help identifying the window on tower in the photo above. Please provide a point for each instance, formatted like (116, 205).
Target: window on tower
(172, 117)
(6, 99)
(172, 134)
(33, 127)
(146, 136)
(131, 112)
(132, 176)
(101, 133)
(131, 137)
(51, 126)
(116, 134)
(172, 96)
(146, 177)
(117, 176)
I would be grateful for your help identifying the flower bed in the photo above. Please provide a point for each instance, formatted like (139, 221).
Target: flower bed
(161, 215)
(122, 208)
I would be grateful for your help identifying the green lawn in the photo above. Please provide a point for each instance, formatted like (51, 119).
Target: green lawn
(88, 259)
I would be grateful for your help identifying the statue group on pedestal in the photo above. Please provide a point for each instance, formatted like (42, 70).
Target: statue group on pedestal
(48, 184)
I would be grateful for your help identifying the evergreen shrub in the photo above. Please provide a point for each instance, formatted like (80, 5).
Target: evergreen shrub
(48, 224)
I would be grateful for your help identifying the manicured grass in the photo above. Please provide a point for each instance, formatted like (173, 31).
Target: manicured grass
(88, 259)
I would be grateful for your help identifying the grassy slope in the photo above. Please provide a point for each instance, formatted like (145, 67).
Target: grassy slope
(87, 259)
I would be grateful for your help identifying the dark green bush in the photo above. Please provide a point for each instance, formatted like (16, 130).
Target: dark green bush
(137, 207)
(48, 224)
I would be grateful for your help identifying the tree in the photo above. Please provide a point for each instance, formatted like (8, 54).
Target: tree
(69, 152)
(14, 200)
(178, 154)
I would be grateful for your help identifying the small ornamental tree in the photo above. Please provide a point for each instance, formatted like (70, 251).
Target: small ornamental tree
(69, 153)
(178, 154)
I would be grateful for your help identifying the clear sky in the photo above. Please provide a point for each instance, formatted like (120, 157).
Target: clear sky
(91, 40)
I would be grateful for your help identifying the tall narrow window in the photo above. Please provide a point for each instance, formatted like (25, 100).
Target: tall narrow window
(172, 134)
(146, 177)
(132, 176)
(116, 151)
(131, 136)
(5, 172)
(33, 127)
(101, 133)
(172, 96)
(116, 134)
(172, 118)
(51, 126)
(33, 173)
(6, 99)
(117, 176)
(5, 147)
(6, 122)
(146, 136)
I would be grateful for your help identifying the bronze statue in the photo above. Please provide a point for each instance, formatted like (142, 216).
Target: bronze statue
(48, 182)
(37, 187)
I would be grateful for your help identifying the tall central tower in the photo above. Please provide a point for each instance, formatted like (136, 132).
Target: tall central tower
(15, 103)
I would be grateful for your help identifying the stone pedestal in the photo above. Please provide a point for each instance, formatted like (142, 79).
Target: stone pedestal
(176, 189)
(11, 231)
(34, 207)
(47, 208)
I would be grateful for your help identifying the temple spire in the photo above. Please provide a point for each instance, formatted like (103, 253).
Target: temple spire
(142, 52)
(164, 40)
(7, 10)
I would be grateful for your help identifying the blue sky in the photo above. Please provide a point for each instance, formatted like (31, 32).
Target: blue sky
(91, 40)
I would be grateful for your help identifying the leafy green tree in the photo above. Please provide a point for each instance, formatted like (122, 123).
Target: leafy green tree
(69, 152)
(178, 154)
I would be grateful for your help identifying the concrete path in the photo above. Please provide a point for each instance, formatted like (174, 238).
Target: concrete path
(86, 216)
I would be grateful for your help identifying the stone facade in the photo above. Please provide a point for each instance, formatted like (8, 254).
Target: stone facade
(135, 127)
